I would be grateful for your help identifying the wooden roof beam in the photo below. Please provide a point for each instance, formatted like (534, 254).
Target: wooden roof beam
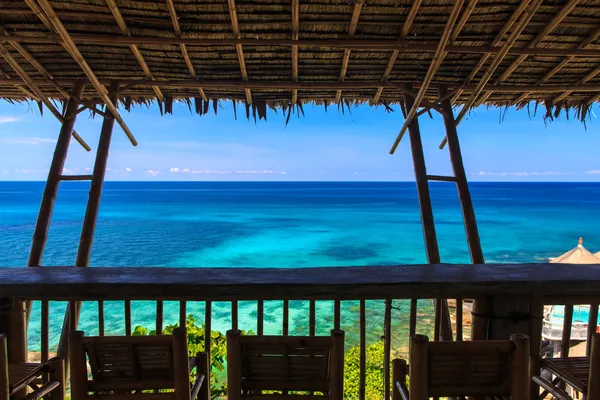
(584, 45)
(295, 30)
(564, 11)
(410, 18)
(499, 36)
(592, 74)
(438, 58)
(70, 46)
(184, 52)
(238, 47)
(351, 31)
(36, 90)
(523, 21)
(114, 9)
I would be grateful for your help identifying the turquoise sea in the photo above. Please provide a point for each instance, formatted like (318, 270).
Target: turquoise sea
(288, 224)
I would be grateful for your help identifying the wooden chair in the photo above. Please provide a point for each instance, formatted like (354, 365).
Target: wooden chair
(581, 373)
(43, 379)
(286, 364)
(136, 367)
(495, 368)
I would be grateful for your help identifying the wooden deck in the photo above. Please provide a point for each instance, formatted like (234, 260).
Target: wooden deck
(552, 281)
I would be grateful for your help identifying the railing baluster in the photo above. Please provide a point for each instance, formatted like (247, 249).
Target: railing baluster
(566, 336)
(128, 317)
(337, 314)
(159, 316)
(363, 352)
(592, 326)
(387, 344)
(100, 318)
(73, 316)
(312, 316)
(234, 315)
(260, 317)
(412, 325)
(437, 322)
(286, 317)
(182, 314)
(207, 327)
(45, 343)
(459, 320)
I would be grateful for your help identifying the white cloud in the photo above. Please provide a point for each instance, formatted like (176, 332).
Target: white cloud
(5, 172)
(593, 172)
(26, 171)
(67, 171)
(534, 173)
(223, 172)
(127, 169)
(5, 119)
(151, 172)
(27, 140)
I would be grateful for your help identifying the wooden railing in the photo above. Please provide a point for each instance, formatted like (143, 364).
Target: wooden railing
(374, 294)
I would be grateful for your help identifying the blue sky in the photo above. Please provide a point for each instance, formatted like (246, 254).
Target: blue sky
(320, 146)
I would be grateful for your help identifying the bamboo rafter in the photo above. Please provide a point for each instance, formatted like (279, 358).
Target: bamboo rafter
(524, 19)
(36, 90)
(412, 14)
(359, 44)
(565, 10)
(351, 31)
(584, 45)
(20, 87)
(184, 51)
(295, 30)
(533, 6)
(78, 57)
(496, 42)
(114, 9)
(238, 47)
(592, 74)
(438, 57)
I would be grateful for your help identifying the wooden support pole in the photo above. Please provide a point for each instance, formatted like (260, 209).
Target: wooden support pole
(13, 324)
(466, 204)
(520, 381)
(418, 372)
(40, 234)
(91, 213)
(427, 221)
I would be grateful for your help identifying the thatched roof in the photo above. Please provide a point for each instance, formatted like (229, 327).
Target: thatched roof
(282, 52)
(577, 255)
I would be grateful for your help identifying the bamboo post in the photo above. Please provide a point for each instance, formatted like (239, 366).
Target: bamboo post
(127, 304)
(40, 234)
(159, 316)
(566, 334)
(182, 314)
(100, 318)
(312, 318)
(91, 212)
(234, 315)
(520, 381)
(204, 367)
(44, 331)
(181, 369)
(399, 369)
(234, 366)
(363, 352)
(57, 374)
(286, 317)
(466, 203)
(336, 384)
(4, 393)
(387, 339)
(207, 327)
(337, 308)
(77, 361)
(535, 342)
(594, 377)
(427, 221)
(260, 317)
(418, 371)
(592, 326)
(15, 325)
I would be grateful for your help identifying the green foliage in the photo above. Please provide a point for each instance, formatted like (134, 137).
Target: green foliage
(374, 388)
(218, 350)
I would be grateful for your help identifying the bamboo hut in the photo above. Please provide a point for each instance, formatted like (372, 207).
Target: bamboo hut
(416, 56)
(577, 255)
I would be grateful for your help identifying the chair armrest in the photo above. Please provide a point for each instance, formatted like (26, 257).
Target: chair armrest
(550, 388)
(32, 375)
(401, 386)
(197, 385)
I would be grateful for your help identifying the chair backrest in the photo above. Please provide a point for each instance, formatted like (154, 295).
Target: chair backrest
(470, 368)
(122, 364)
(286, 364)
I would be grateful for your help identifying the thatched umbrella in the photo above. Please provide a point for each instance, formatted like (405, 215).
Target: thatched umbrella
(577, 255)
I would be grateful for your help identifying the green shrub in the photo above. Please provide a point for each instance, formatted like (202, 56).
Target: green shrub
(374, 371)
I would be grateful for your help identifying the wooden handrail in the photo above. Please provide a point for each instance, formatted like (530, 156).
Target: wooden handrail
(548, 281)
